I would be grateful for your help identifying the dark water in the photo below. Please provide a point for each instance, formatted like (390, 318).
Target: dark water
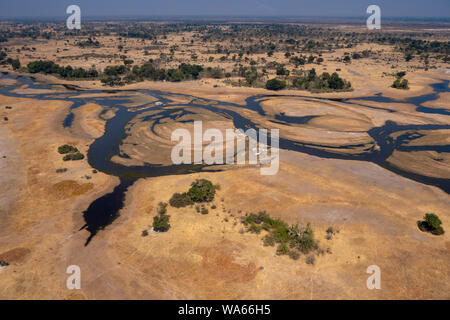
(104, 210)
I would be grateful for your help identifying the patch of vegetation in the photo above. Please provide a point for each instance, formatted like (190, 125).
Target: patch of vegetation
(275, 84)
(161, 220)
(73, 156)
(324, 82)
(71, 153)
(3, 263)
(330, 233)
(179, 200)
(49, 67)
(201, 190)
(311, 259)
(431, 223)
(89, 43)
(67, 149)
(15, 63)
(400, 84)
(204, 210)
(292, 240)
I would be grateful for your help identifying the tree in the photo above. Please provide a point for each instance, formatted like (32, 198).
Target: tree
(179, 200)
(431, 223)
(400, 84)
(275, 84)
(202, 190)
(161, 221)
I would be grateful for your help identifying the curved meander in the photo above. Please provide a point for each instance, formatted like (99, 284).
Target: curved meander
(104, 210)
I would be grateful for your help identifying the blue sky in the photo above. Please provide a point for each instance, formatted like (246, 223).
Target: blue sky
(299, 8)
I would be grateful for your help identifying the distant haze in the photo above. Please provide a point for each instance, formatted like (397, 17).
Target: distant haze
(236, 8)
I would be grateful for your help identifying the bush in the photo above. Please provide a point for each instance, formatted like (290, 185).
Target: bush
(311, 259)
(294, 254)
(179, 200)
(268, 240)
(204, 210)
(144, 233)
(280, 234)
(400, 84)
(161, 223)
(275, 84)
(73, 156)
(254, 228)
(3, 263)
(258, 218)
(433, 220)
(162, 208)
(202, 190)
(432, 224)
(282, 249)
(299, 239)
(67, 149)
(310, 80)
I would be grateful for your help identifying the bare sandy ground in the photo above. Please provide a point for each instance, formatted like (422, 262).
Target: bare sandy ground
(206, 256)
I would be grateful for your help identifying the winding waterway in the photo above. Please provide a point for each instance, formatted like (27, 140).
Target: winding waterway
(104, 210)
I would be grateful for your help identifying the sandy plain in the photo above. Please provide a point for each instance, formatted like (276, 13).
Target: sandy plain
(207, 256)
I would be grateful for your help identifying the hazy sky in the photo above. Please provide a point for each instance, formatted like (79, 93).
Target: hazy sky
(324, 8)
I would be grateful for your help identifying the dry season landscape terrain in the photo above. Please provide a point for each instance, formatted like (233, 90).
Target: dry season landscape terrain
(86, 119)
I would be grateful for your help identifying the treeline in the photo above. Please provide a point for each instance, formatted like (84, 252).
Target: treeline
(150, 71)
(310, 80)
(15, 63)
(118, 75)
(121, 74)
(49, 67)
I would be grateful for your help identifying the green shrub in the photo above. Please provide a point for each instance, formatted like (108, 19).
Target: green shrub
(254, 228)
(161, 223)
(179, 200)
(268, 240)
(257, 218)
(306, 244)
(162, 208)
(299, 239)
(73, 156)
(144, 233)
(67, 149)
(400, 84)
(280, 234)
(3, 263)
(282, 249)
(270, 223)
(161, 220)
(433, 220)
(431, 223)
(204, 210)
(275, 84)
(202, 190)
